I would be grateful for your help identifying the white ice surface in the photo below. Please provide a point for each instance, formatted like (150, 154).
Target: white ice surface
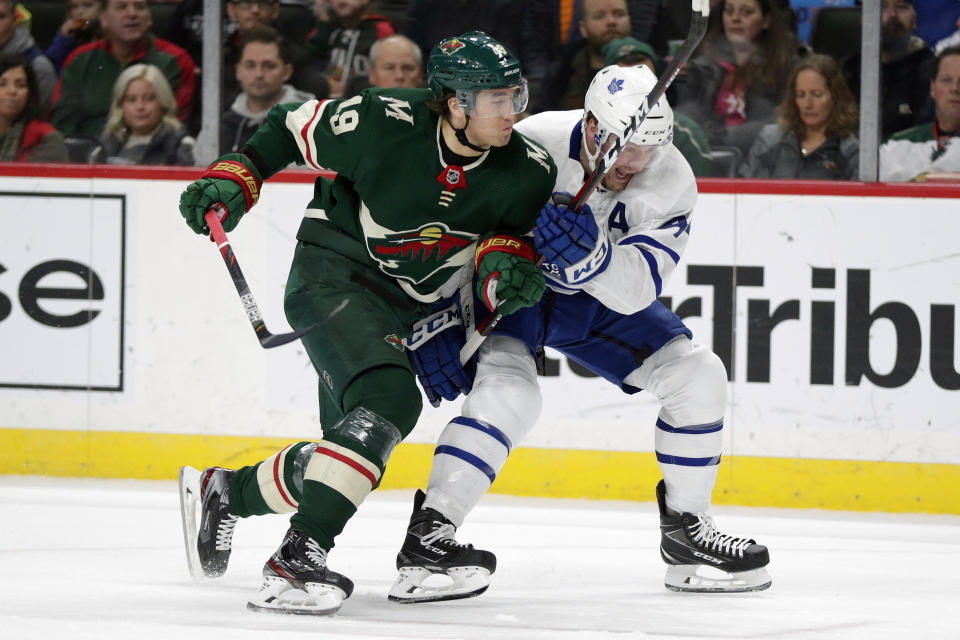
(95, 559)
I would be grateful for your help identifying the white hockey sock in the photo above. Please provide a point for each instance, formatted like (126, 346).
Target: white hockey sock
(468, 457)
(280, 477)
(689, 457)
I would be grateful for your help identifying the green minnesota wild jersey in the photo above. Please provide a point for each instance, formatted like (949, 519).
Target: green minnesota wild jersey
(418, 218)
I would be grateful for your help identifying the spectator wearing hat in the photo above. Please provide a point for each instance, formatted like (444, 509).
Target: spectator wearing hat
(688, 137)
(568, 77)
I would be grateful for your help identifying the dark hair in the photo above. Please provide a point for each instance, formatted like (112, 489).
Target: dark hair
(441, 105)
(949, 51)
(31, 111)
(844, 117)
(265, 34)
(776, 48)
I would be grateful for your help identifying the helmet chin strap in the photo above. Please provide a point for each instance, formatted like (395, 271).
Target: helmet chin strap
(461, 135)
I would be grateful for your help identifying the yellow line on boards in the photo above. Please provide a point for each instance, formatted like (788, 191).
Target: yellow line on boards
(556, 473)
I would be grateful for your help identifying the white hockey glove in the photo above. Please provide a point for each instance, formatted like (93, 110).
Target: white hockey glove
(574, 249)
(434, 353)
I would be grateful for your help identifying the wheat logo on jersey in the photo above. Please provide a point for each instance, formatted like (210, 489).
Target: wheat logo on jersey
(614, 86)
(451, 46)
(394, 341)
(419, 253)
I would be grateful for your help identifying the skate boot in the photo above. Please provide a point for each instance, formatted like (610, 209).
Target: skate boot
(296, 580)
(702, 559)
(207, 522)
(429, 550)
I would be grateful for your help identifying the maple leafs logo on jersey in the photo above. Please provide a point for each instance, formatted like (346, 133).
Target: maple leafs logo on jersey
(451, 46)
(419, 253)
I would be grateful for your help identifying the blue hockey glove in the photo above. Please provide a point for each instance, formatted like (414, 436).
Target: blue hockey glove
(434, 354)
(573, 248)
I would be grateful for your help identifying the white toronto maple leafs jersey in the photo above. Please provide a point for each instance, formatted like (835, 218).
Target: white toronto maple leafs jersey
(647, 224)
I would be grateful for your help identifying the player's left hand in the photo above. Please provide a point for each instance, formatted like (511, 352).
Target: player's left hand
(232, 181)
(513, 262)
(521, 283)
(437, 365)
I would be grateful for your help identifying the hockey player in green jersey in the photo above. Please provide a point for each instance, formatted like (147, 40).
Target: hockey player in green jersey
(431, 184)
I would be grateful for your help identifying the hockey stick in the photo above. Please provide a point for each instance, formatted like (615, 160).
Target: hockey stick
(267, 339)
(698, 27)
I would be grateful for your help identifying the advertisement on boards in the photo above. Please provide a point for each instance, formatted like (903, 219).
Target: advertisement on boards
(62, 291)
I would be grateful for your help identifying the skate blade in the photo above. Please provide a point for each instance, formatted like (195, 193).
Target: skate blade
(189, 482)
(277, 595)
(415, 584)
(698, 578)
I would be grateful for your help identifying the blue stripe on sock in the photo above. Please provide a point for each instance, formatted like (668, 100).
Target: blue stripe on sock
(467, 457)
(487, 428)
(687, 462)
(693, 428)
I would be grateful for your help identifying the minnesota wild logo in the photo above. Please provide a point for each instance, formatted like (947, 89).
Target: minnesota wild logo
(419, 253)
(451, 46)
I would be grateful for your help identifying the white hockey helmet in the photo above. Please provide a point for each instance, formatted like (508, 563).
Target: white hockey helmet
(614, 97)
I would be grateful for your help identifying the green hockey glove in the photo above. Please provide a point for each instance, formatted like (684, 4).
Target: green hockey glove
(512, 263)
(232, 181)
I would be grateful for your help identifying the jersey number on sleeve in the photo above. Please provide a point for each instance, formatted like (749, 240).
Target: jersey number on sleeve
(344, 118)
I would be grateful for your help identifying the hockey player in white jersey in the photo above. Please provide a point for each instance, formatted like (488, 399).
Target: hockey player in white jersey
(605, 267)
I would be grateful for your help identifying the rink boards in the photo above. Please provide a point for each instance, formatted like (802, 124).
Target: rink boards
(124, 350)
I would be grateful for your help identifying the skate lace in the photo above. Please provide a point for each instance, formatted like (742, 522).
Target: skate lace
(225, 532)
(315, 553)
(444, 534)
(705, 533)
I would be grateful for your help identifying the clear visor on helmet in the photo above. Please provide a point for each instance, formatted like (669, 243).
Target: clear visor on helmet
(637, 157)
(494, 103)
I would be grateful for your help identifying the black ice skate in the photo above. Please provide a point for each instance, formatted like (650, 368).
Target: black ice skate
(429, 550)
(207, 522)
(296, 580)
(705, 560)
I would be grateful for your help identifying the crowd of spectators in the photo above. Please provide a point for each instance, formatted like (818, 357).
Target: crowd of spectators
(108, 84)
